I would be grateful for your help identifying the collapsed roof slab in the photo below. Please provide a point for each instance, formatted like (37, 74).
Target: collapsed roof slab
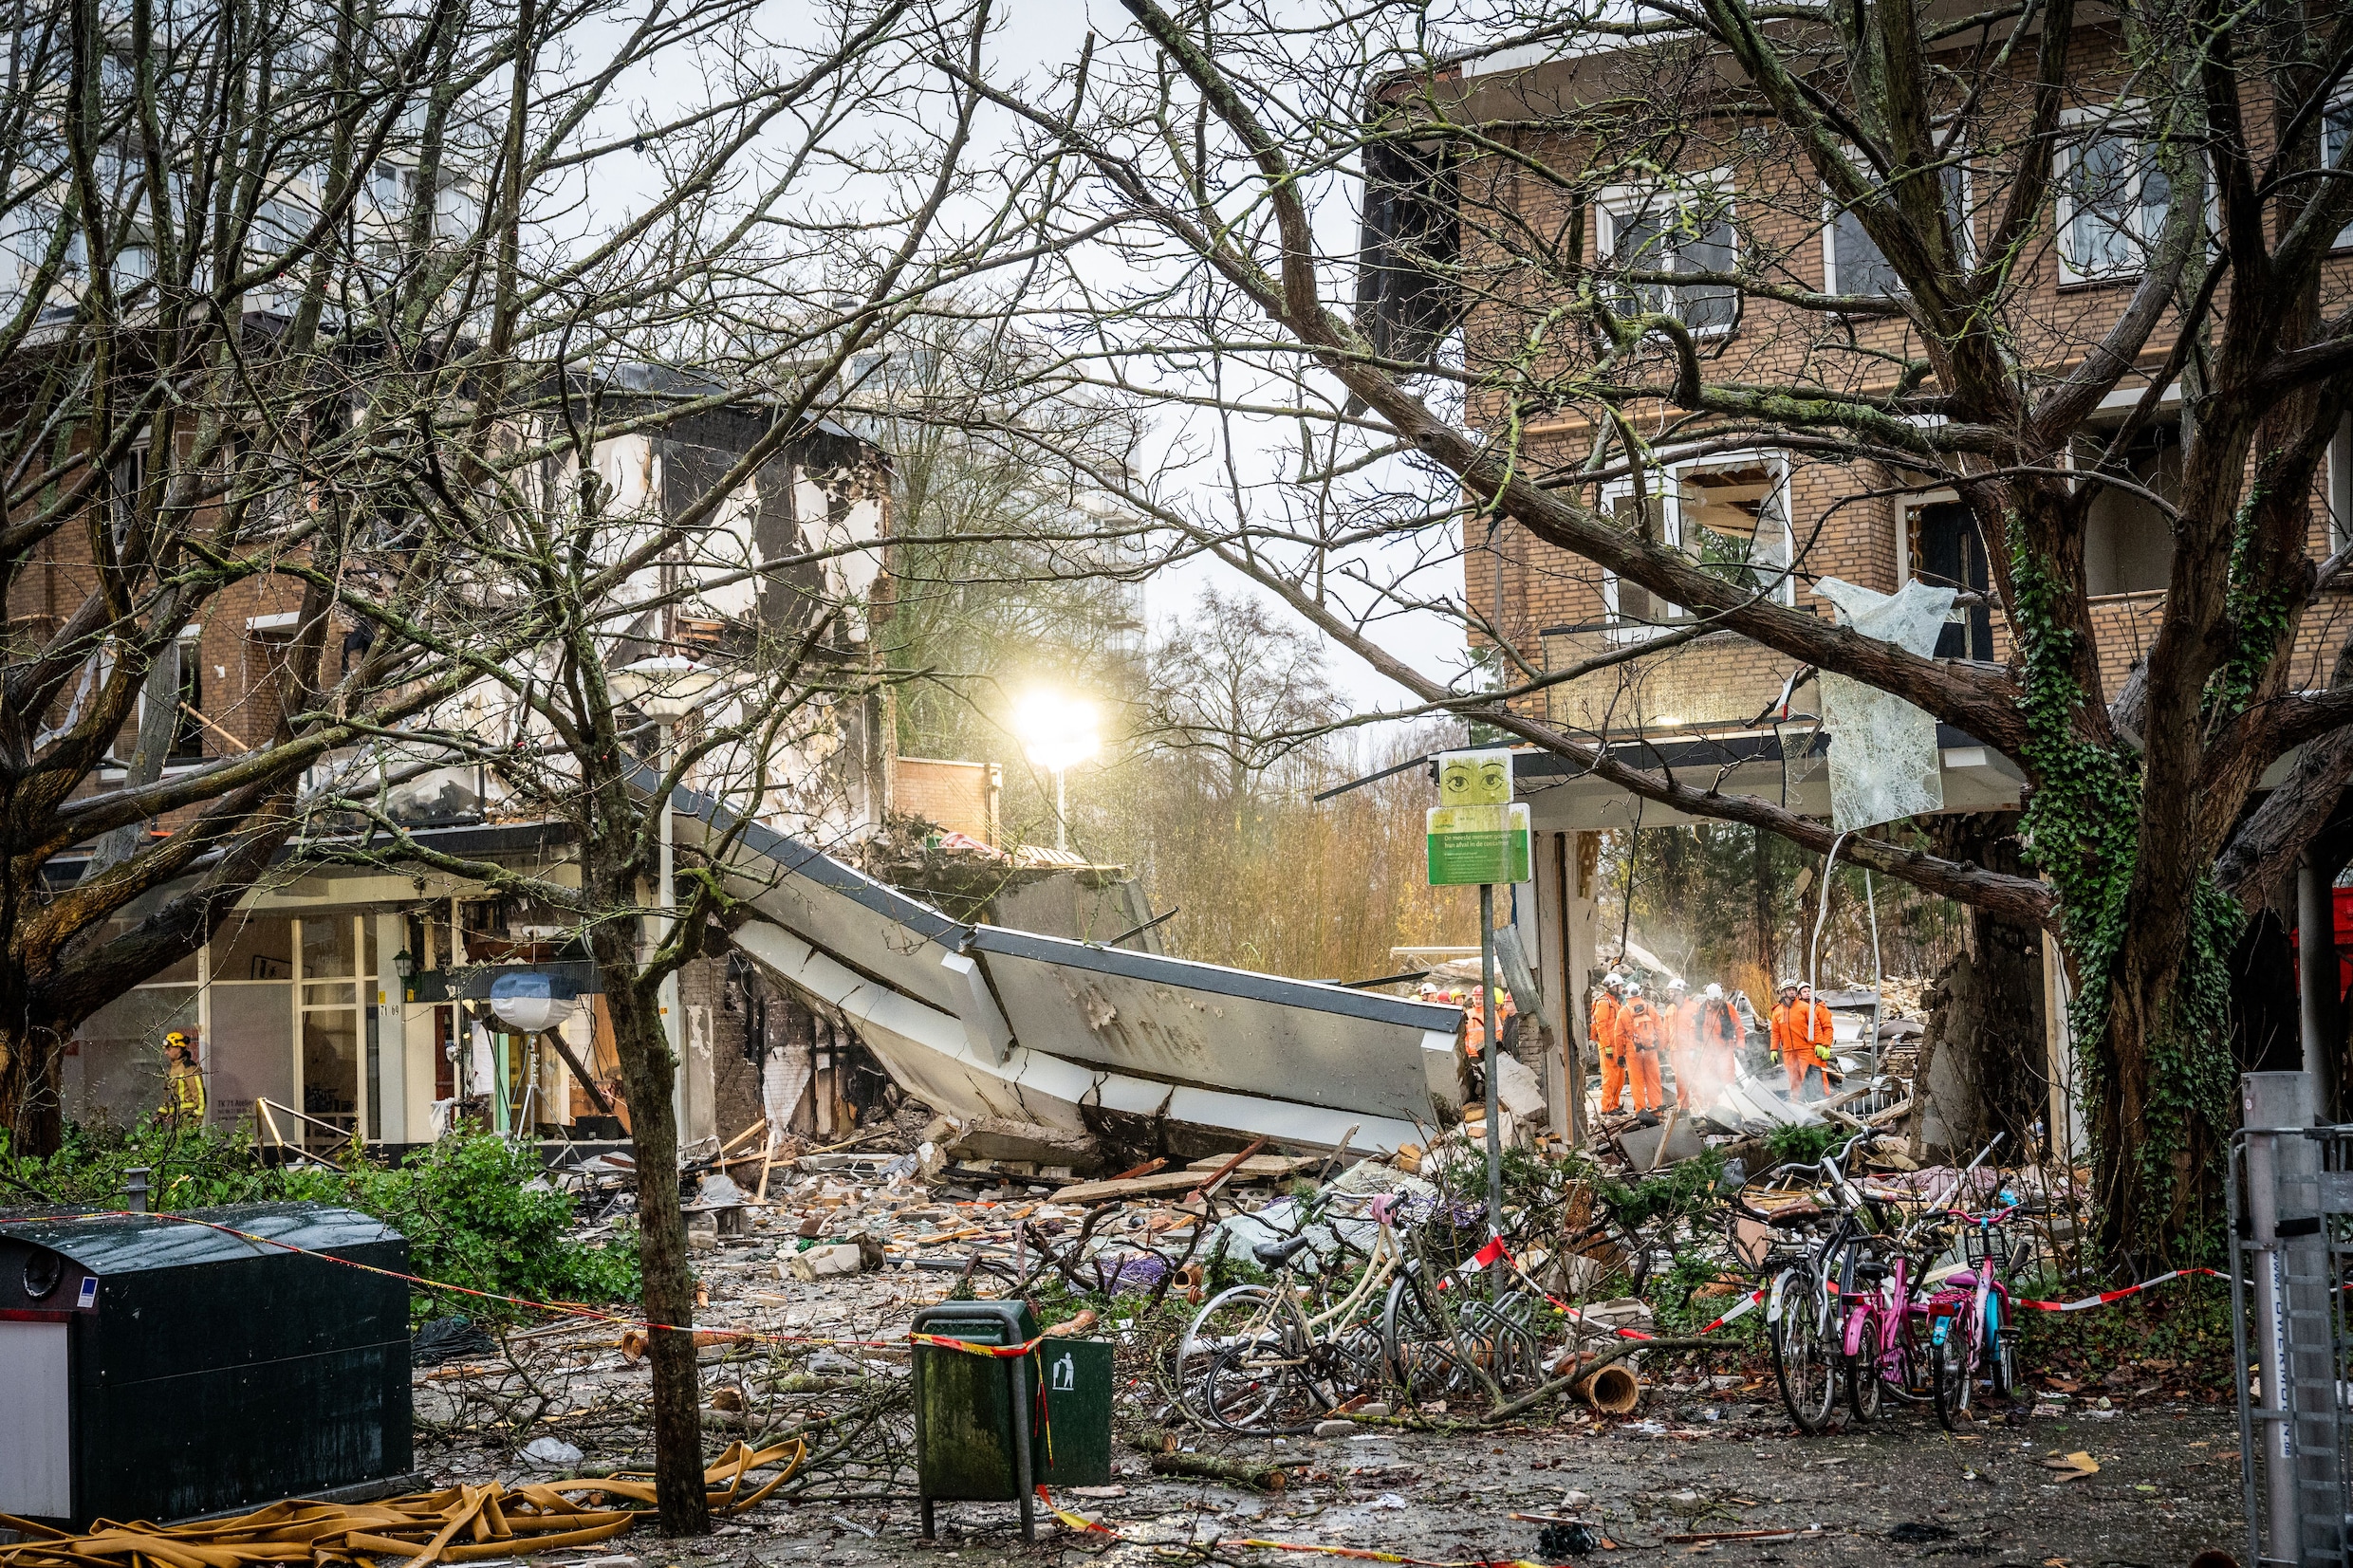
(977, 1020)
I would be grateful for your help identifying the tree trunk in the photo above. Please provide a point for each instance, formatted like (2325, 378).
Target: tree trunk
(649, 1067)
(2159, 1067)
(32, 1109)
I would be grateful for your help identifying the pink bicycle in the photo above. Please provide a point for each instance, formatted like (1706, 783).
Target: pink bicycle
(1968, 1319)
(1884, 1352)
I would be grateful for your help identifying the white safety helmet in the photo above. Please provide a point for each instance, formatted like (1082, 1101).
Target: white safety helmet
(1613, 980)
(1677, 986)
(1634, 987)
(1715, 992)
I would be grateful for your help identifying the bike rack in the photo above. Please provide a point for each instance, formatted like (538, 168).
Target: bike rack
(2290, 1192)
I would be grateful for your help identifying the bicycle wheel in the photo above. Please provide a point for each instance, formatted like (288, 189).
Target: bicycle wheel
(1957, 1375)
(1418, 1350)
(1234, 1313)
(2005, 1367)
(1866, 1387)
(1804, 1362)
(1261, 1389)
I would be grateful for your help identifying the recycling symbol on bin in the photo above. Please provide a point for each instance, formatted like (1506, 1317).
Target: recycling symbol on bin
(1066, 1374)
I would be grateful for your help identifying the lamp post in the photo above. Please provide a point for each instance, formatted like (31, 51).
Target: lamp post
(666, 688)
(1057, 732)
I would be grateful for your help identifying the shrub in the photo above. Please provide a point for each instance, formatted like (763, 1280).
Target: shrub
(476, 1209)
(479, 1214)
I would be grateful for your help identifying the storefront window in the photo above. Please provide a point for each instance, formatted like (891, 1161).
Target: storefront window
(114, 1067)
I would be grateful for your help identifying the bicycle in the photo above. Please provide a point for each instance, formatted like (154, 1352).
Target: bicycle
(1883, 1351)
(1971, 1333)
(1266, 1362)
(1803, 1323)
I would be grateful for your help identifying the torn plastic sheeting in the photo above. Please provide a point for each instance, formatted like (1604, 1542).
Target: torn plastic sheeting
(1279, 1221)
(1884, 758)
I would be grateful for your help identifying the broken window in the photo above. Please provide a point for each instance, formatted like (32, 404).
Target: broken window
(1729, 514)
(1736, 521)
(1947, 551)
(2128, 534)
(1631, 605)
(1688, 231)
(188, 728)
(1408, 300)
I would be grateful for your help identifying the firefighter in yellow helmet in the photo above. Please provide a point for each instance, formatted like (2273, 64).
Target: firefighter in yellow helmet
(183, 1079)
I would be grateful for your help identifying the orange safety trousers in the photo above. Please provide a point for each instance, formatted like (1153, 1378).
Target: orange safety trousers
(1637, 1068)
(1797, 1064)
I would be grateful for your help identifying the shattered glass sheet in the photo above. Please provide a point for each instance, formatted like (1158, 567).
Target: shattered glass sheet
(1883, 760)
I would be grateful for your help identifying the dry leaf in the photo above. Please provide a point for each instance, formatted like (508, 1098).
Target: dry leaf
(2073, 1467)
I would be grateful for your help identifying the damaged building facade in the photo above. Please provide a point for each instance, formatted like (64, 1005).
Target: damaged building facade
(340, 1000)
(1439, 263)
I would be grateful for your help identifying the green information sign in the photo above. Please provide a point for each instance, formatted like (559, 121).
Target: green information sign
(1474, 845)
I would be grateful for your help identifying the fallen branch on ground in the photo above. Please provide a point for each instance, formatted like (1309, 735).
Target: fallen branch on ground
(1168, 1458)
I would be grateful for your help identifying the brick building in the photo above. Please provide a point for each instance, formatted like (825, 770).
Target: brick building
(1647, 159)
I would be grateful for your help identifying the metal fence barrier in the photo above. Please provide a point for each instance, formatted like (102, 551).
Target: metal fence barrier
(2291, 1234)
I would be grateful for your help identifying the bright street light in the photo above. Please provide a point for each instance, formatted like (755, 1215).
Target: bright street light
(1057, 732)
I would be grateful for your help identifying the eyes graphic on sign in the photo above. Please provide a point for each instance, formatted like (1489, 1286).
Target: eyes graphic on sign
(1476, 778)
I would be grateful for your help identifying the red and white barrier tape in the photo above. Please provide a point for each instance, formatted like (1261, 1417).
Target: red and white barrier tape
(1496, 1249)
(2107, 1296)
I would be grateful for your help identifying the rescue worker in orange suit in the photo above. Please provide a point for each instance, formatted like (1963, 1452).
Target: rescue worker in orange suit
(1674, 1026)
(1608, 1008)
(1802, 1032)
(1715, 1045)
(1779, 1029)
(1640, 1031)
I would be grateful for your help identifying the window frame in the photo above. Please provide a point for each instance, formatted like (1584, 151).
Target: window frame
(2079, 127)
(2337, 491)
(1616, 203)
(1832, 211)
(2338, 118)
(1668, 476)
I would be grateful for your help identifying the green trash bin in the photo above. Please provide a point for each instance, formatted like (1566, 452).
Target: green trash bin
(991, 1429)
(1072, 1445)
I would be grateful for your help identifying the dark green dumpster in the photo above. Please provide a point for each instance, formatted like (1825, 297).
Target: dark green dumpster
(151, 1368)
(993, 1429)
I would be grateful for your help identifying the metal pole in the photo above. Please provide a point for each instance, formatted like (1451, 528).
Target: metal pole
(1879, 974)
(2272, 1101)
(1062, 810)
(1493, 1057)
(2316, 979)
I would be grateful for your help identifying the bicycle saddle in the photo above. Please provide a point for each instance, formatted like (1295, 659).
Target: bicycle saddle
(1866, 1269)
(1275, 1254)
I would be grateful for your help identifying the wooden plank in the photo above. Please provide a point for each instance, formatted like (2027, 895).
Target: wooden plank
(1160, 1184)
(1259, 1167)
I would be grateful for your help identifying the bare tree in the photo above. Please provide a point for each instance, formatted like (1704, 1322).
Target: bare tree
(1237, 684)
(374, 314)
(2063, 232)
